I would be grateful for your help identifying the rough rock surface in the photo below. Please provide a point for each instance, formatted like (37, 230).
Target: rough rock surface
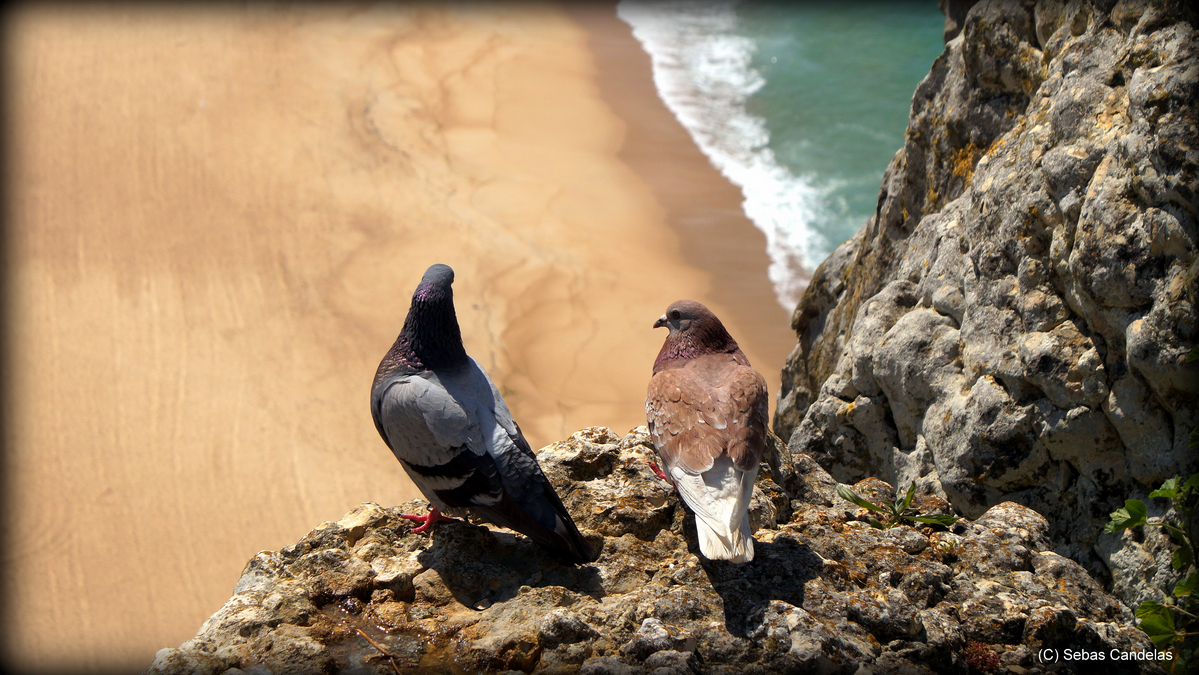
(1012, 323)
(826, 592)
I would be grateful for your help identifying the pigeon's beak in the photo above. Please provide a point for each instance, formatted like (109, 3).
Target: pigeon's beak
(660, 322)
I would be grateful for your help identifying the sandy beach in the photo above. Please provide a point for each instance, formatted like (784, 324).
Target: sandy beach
(218, 219)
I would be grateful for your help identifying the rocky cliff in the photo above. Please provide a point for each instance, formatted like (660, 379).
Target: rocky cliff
(826, 592)
(1012, 323)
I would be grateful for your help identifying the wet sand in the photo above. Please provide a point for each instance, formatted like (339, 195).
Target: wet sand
(218, 219)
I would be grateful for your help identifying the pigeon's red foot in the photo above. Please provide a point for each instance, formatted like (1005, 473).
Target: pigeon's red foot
(426, 521)
(654, 467)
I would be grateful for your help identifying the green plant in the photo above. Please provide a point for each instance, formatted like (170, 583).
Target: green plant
(893, 510)
(1166, 622)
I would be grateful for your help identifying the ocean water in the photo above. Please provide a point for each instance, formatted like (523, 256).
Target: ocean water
(801, 105)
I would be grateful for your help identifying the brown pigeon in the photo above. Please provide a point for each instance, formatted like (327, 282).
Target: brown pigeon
(707, 409)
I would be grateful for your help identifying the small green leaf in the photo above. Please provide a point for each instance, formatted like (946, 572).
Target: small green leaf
(1157, 622)
(1182, 558)
(907, 500)
(876, 524)
(1168, 490)
(1148, 607)
(945, 521)
(1187, 585)
(1194, 440)
(1132, 515)
(1136, 508)
(1194, 355)
(851, 496)
(1192, 482)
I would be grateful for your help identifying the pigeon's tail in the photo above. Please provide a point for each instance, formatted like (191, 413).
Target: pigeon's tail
(545, 521)
(721, 543)
(720, 499)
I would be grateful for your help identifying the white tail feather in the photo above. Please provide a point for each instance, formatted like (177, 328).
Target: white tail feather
(736, 545)
(720, 499)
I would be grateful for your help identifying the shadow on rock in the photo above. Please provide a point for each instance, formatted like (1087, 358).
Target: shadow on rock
(477, 567)
(778, 571)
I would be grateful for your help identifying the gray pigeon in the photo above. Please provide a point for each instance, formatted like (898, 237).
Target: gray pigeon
(443, 418)
(707, 409)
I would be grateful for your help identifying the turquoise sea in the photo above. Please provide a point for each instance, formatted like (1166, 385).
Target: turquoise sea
(801, 105)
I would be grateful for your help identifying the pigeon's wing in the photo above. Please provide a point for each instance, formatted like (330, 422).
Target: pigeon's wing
(529, 504)
(437, 440)
(705, 409)
(683, 416)
(419, 419)
(749, 406)
(501, 481)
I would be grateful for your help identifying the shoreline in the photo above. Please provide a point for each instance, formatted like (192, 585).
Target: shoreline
(700, 204)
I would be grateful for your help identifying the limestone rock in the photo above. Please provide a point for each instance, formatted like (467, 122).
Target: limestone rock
(826, 593)
(1012, 323)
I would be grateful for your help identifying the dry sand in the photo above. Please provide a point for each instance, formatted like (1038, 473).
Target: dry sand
(218, 219)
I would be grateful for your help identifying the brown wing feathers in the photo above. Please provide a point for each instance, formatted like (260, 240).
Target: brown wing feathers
(751, 403)
(699, 422)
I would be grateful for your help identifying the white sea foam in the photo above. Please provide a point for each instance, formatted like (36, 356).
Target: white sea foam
(703, 73)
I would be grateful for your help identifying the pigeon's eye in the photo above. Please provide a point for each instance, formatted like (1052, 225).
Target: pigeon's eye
(674, 314)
